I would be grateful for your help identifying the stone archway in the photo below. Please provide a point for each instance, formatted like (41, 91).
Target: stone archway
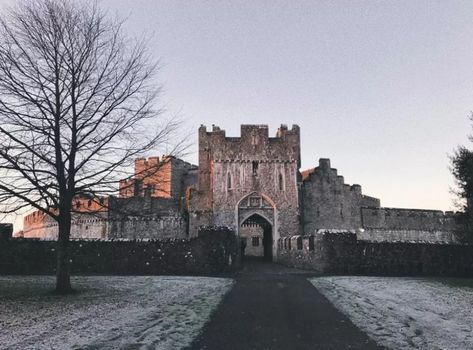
(256, 225)
(258, 233)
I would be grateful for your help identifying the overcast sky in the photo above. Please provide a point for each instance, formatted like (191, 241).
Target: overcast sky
(382, 88)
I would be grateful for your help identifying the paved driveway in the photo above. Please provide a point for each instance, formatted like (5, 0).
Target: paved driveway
(275, 307)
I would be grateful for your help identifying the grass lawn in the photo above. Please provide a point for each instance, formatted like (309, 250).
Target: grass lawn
(159, 312)
(406, 313)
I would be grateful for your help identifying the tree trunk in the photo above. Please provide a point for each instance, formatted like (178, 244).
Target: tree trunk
(63, 280)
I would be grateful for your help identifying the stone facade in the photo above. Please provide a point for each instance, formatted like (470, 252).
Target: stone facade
(150, 205)
(329, 203)
(253, 236)
(161, 178)
(248, 176)
(251, 184)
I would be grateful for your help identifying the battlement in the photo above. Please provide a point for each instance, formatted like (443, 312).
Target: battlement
(156, 176)
(145, 166)
(249, 130)
(325, 170)
(253, 144)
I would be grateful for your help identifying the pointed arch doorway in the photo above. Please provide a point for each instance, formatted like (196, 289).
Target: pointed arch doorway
(259, 239)
(256, 217)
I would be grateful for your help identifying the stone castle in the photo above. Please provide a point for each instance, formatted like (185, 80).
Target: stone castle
(252, 184)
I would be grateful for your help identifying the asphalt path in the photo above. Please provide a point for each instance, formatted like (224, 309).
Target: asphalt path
(274, 307)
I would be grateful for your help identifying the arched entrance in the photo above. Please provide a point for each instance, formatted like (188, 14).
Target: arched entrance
(258, 235)
(256, 224)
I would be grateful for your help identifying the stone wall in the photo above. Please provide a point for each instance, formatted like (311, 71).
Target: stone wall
(403, 235)
(86, 226)
(342, 253)
(163, 227)
(145, 217)
(253, 234)
(407, 219)
(329, 203)
(133, 218)
(6, 231)
(213, 251)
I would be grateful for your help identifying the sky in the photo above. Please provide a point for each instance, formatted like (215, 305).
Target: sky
(382, 88)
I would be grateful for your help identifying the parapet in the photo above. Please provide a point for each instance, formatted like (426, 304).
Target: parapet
(356, 188)
(324, 164)
(324, 170)
(253, 144)
(249, 130)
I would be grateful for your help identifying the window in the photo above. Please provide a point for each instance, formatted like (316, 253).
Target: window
(255, 167)
(311, 243)
(299, 243)
(281, 182)
(254, 139)
(229, 181)
(289, 243)
(285, 243)
(255, 241)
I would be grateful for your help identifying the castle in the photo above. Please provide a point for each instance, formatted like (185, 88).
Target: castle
(252, 184)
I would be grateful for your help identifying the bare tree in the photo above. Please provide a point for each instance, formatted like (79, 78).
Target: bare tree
(77, 104)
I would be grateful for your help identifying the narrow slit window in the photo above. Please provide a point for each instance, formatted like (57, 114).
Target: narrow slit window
(255, 168)
(229, 181)
(311, 243)
(281, 182)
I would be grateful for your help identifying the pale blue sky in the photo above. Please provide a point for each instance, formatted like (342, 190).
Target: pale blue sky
(382, 88)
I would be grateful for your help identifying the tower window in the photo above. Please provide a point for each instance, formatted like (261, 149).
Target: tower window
(311, 243)
(229, 181)
(255, 168)
(281, 183)
(255, 241)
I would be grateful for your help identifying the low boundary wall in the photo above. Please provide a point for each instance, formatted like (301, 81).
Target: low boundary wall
(215, 250)
(342, 253)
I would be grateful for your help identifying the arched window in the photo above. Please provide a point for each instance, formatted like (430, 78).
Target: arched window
(281, 182)
(229, 181)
